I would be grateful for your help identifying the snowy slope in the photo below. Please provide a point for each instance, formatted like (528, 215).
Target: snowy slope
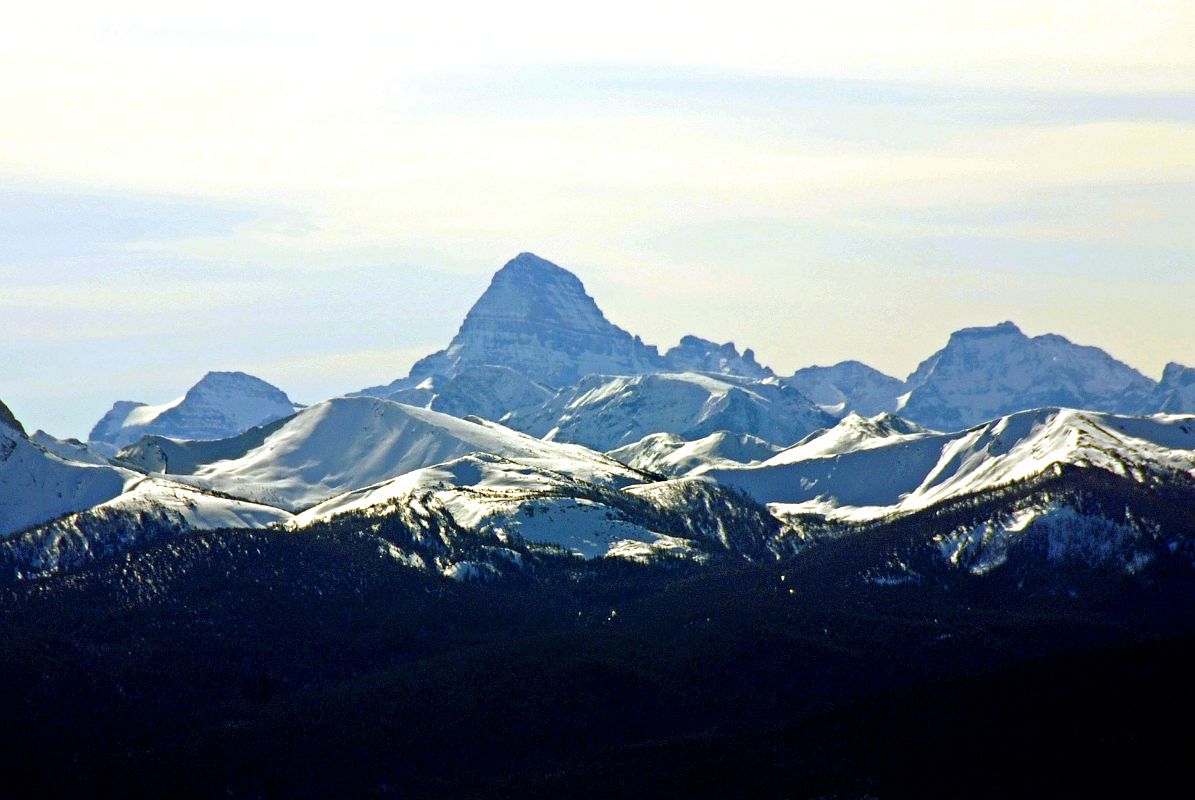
(906, 472)
(849, 386)
(983, 373)
(350, 442)
(36, 485)
(674, 456)
(606, 412)
(222, 404)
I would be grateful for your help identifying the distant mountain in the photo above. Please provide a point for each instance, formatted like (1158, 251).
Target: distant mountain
(222, 404)
(849, 386)
(695, 354)
(984, 373)
(606, 412)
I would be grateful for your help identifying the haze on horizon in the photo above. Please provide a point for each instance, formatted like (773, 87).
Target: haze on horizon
(317, 199)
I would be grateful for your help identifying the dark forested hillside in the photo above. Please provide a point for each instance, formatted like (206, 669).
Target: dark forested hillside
(257, 664)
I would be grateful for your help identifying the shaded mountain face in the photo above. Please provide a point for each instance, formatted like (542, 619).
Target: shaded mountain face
(222, 404)
(695, 354)
(536, 319)
(7, 419)
(849, 386)
(984, 373)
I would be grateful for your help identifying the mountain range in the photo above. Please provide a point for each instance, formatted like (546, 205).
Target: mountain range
(538, 384)
(552, 561)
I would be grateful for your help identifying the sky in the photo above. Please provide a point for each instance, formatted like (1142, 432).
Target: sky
(316, 194)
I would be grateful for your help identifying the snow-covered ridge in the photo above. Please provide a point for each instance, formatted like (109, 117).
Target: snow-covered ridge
(911, 471)
(488, 496)
(349, 442)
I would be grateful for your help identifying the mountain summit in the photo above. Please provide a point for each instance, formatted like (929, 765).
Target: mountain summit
(221, 404)
(537, 319)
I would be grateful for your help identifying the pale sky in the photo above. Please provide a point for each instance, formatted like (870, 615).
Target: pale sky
(317, 194)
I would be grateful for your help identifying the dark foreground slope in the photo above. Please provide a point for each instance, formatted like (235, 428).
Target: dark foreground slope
(262, 664)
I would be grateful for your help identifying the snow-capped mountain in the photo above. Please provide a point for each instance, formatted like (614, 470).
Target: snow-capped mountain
(606, 412)
(348, 443)
(221, 404)
(695, 354)
(849, 386)
(983, 373)
(870, 469)
(675, 456)
(537, 319)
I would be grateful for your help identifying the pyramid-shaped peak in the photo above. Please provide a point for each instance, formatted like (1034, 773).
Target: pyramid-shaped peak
(536, 319)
